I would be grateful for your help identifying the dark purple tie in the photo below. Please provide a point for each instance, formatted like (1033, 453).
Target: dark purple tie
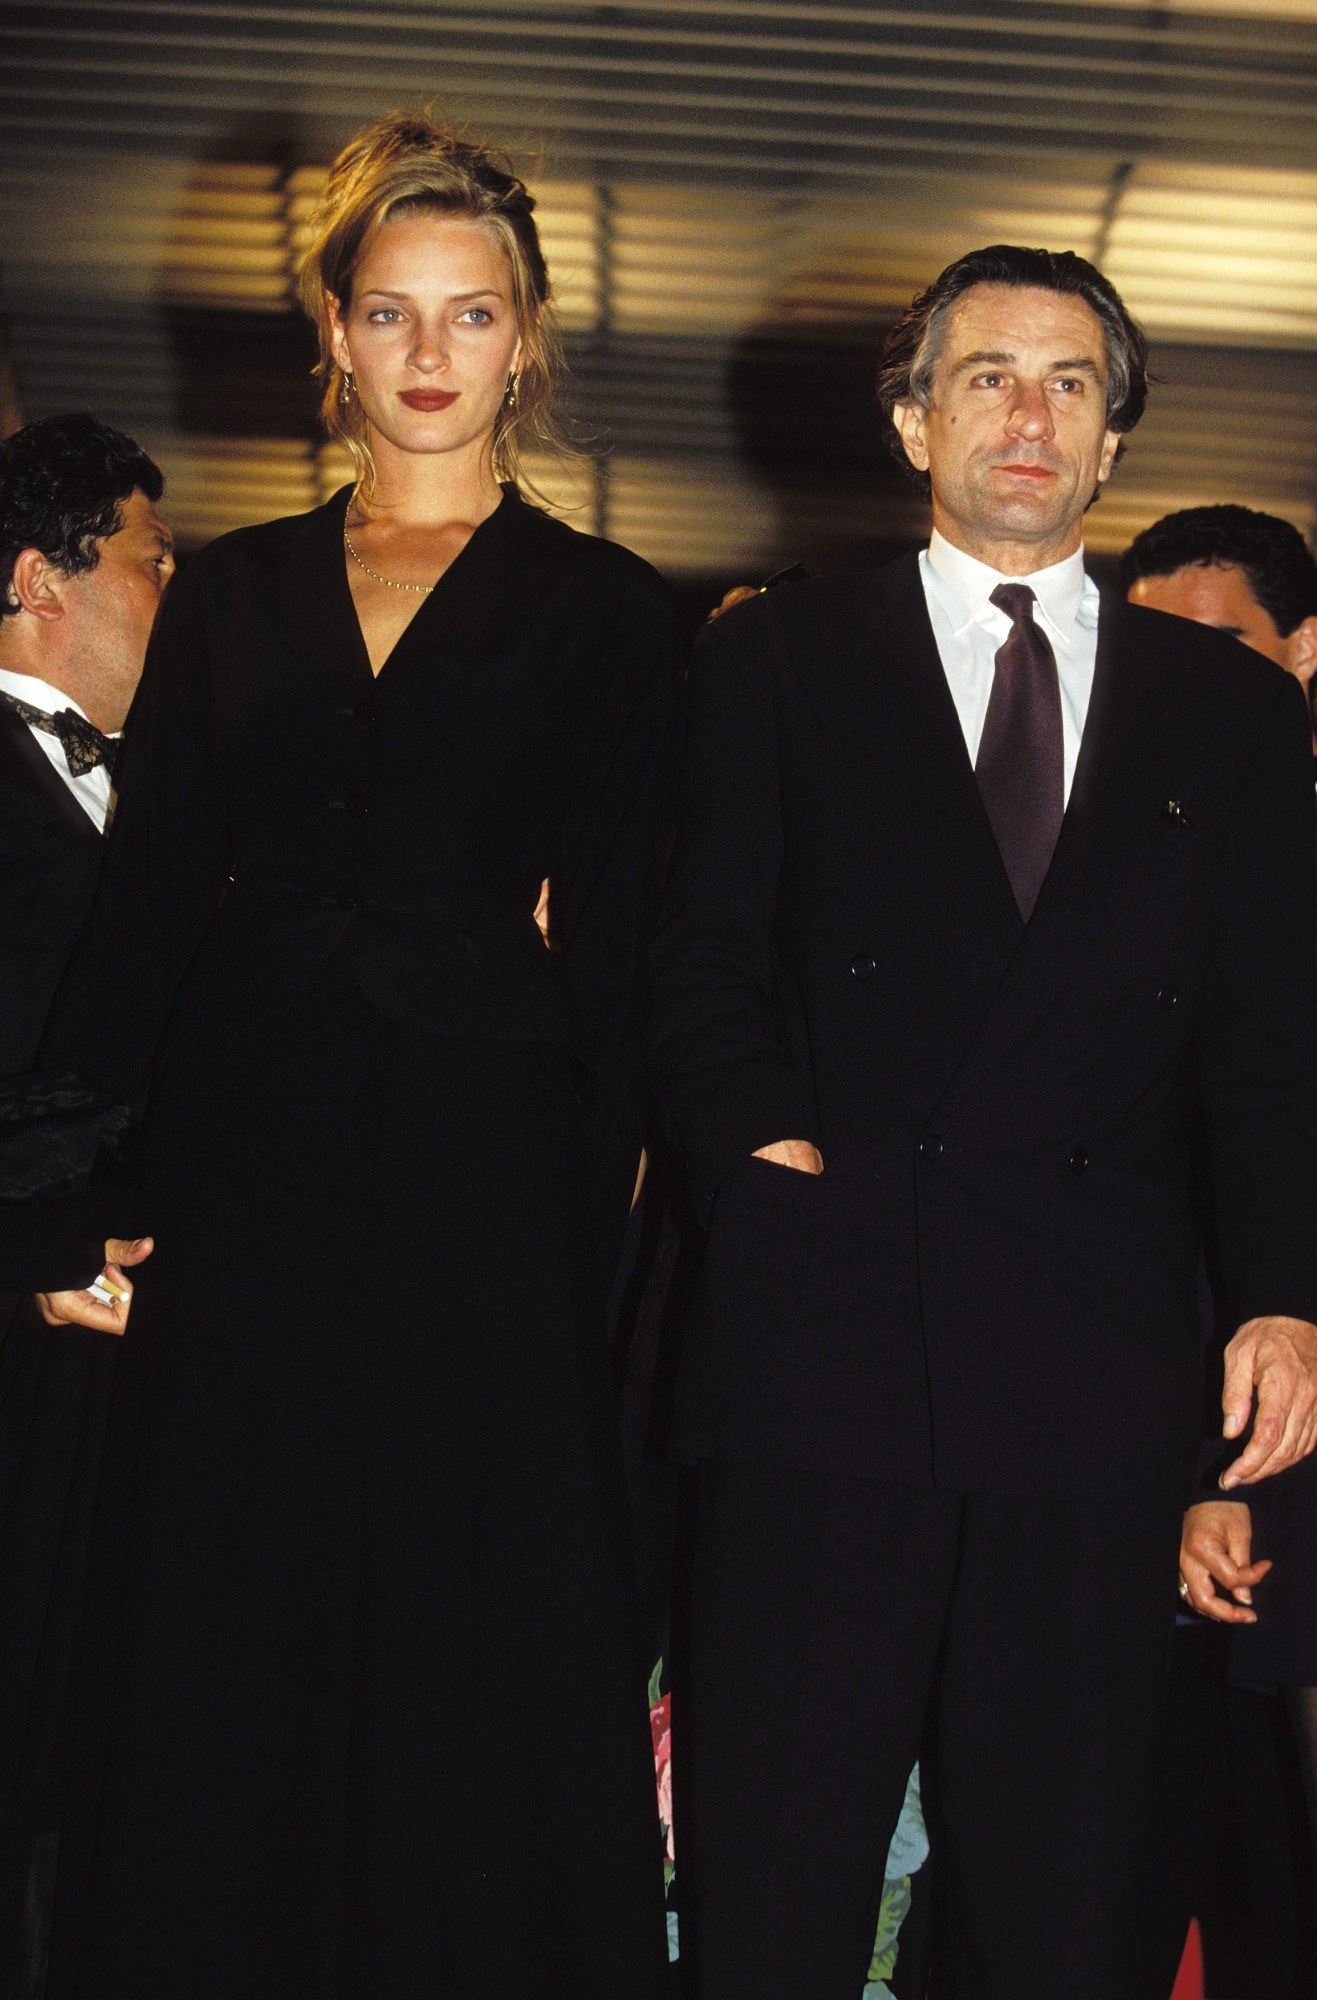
(1020, 768)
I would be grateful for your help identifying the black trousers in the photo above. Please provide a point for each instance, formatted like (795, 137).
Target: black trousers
(835, 1626)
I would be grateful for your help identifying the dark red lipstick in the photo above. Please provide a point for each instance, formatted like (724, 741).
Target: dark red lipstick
(429, 399)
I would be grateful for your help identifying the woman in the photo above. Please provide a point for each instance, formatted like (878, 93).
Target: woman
(361, 1710)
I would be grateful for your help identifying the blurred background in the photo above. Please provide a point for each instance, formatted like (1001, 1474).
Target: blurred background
(735, 199)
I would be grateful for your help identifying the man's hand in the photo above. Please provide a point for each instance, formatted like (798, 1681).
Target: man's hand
(87, 1308)
(796, 1153)
(1216, 1544)
(1274, 1361)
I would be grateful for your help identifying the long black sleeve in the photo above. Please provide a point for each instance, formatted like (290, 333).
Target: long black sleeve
(165, 867)
(614, 852)
(725, 1082)
(1257, 1042)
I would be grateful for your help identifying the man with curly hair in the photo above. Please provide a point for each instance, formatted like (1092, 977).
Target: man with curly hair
(84, 560)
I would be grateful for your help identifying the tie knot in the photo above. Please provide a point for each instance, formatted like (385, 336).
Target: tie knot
(1016, 600)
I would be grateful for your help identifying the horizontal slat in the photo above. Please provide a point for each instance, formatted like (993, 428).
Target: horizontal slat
(776, 91)
(734, 263)
(735, 199)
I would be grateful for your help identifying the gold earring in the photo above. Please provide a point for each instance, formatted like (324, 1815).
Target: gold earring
(347, 389)
(510, 393)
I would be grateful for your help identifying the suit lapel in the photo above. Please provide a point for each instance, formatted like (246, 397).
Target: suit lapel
(485, 593)
(26, 766)
(319, 616)
(894, 727)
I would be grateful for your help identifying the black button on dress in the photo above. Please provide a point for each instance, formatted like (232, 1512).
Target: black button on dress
(361, 1711)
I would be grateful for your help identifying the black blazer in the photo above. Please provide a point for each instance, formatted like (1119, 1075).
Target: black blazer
(50, 856)
(993, 1283)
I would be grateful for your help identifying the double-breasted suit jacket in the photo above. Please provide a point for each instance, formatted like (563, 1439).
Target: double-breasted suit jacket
(992, 1284)
(50, 856)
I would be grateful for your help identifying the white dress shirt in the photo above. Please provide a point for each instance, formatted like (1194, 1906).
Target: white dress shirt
(970, 631)
(90, 788)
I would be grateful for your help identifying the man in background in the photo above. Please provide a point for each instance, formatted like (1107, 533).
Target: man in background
(84, 560)
(1249, 574)
(1226, 1797)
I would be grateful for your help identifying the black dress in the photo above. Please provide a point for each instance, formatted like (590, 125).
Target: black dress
(361, 1708)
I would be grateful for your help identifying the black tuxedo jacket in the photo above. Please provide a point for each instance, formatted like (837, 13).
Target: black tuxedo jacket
(992, 1285)
(50, 856)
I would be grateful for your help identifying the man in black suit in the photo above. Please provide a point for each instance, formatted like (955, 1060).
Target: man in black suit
(983, 883)
(1242, 572)
(84, 559)
(1229, 1747)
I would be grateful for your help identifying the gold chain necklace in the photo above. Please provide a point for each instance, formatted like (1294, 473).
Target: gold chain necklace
(421, 589)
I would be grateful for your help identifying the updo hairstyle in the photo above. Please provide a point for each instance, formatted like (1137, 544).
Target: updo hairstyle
(405, 165)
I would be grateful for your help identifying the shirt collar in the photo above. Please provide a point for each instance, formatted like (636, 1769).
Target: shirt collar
(1064, 591)
(39, 694)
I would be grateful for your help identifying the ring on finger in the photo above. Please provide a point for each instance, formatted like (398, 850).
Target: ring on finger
(1184, 1590)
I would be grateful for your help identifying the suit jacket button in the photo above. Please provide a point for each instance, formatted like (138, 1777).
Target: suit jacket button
(930, 1146)
(1078, 1160)
(863, 966)
(346, 900)
(367, 709)
(358, 805)
(1167, 997)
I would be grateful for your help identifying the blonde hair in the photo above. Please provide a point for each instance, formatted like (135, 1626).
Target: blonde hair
(403, 165)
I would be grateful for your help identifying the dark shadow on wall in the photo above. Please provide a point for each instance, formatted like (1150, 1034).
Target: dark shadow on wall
(243, 374)
(242, 371)
(809, 430)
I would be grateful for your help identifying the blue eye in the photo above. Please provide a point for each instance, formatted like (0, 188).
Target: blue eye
(478, 316)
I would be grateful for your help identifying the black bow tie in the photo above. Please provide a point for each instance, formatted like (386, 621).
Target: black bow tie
(83, 744)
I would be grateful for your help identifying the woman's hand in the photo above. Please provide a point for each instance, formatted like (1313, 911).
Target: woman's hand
(90, 1308)
(1217, 1575)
